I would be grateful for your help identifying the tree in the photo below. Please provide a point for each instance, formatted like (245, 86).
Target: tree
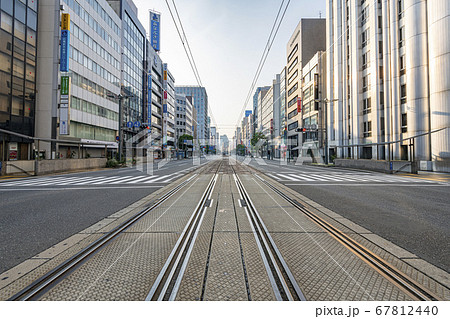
(181, 143)
(257, 137)
(240, 149)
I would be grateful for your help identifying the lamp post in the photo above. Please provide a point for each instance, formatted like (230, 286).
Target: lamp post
(120, 97)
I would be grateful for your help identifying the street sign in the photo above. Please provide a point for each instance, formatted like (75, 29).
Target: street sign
(64, 85)
(130, 124)
(137, 124)
(117, 138)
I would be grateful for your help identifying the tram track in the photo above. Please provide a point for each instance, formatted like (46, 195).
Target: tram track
(41, 285)
(281, 279)
(169, 279)
(397, 278)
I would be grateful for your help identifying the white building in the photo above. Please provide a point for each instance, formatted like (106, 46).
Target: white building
(389, 70)
(94, 69)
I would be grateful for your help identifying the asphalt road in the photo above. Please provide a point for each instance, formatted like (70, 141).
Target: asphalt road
(39, 212)
(411, 212)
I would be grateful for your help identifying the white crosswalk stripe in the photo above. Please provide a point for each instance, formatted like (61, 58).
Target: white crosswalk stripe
(339, 178)
(91, 180)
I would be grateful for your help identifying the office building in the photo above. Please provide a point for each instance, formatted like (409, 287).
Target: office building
(308, 38)
(94, 69)
(388, 70)
(201, 106)
(168, 109)
(18, 62)
(155, 68)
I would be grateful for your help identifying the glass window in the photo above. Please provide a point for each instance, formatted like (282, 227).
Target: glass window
(31, 19)
(33, 4)
(7, 6)
(17, 106)
(5, 62)
(18, 68)
(6, 22)
(19, 30)
(5, 83)
(4, 100)
(31, 73)
(20, 11)
(31, 37)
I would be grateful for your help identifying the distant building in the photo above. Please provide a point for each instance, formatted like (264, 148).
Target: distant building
(201, 106)
(308, 37)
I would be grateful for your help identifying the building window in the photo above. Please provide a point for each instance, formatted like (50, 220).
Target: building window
(292, 77)
(292, 114)
(292, 101)
(365, 38)
(365, 80)
(364, 15)
(366, 106)
(400, 9)
(293, 126)
(365, 60)
(402, 65)
(292, 65)
(404, 123)
(401, 37)
(403, 94)
(367, 126)
(293, 89)
(291, 55)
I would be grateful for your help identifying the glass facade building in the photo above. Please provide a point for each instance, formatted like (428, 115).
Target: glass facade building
(18, 35)
(201, 105)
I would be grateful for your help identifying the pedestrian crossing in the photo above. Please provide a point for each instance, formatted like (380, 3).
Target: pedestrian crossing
(313, 178)
(92, 180)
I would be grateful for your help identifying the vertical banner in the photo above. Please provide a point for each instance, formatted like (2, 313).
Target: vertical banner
(149, 101)
(155, 22)
(299, 105)
(64, 106)
(65, 41)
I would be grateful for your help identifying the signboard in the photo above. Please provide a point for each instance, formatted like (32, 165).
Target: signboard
(299, 105)
(149, 100)
(165, 95)
(164, 108)
(13, 146)
(137, 124)
(64, 85)
(155, 22)
(65, 21)
(64, 56)
(64, 121)
(130, 124)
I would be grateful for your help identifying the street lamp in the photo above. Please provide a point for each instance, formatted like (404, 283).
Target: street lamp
(120, 97)
(326, 101)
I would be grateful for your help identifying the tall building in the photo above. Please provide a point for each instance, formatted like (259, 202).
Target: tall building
(94, 70)
(314, 106)
(168, 109)
(155, 68)
(133, 39)
(388, 70)
(183, 118)
(283, 115)
(201, 106)
(308, 38)
(18, 30)
(257, 98)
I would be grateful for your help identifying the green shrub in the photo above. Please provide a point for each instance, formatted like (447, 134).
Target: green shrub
(112, 163)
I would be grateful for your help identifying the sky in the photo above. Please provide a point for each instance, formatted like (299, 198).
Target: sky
(227, 39)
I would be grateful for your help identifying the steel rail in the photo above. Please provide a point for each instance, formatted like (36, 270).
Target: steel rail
(283, 282)
(42, 283)
(406, 284)
(169, 279)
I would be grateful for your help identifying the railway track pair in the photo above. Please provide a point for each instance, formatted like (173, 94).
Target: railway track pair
(281, 279)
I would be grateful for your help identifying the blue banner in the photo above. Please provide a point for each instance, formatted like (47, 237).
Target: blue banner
(155, 20)
(149, 100)
(164, 108)
(64, 62)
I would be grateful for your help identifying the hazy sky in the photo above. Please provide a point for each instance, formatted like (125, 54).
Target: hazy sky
(227, 38)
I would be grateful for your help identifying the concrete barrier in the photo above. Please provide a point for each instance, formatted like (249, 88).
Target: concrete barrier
(373, 165)
(54, 166)
(51, 166)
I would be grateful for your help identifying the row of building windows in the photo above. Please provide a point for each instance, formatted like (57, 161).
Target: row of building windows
(91, 132)
(94, 109)
(83, 14)
(93, 66)
(18, 28)
(103, 14)
(94, 46)
(92, 87)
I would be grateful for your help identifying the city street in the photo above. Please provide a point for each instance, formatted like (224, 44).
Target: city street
(411, 211)
(49, 209)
